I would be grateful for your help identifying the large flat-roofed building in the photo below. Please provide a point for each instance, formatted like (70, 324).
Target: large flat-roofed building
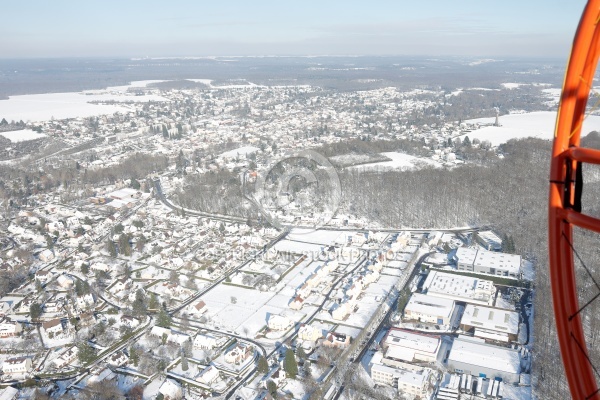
(459, 287)
(490, 323)
(434, 310)
(473, 356)
(488, 262)
(494, 263)
(465, 258)
(407, 346)
(410, 382)
(489, 240)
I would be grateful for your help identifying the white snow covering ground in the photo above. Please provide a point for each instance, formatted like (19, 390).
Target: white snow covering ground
(512, 85)
(399, 161)
(241, 152)
(321, 237)
(43, 107)
(22, 135)
(539, 124)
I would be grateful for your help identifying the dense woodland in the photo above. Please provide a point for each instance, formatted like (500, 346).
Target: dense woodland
(509, 195)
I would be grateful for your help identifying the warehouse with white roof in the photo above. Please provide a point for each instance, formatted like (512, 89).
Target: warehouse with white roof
(490, 323)
(459, 287)
(407, 346)
(430, 309)
(475, 357)
(488, 262)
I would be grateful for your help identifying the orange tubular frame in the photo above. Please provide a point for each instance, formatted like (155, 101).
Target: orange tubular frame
(566, 154)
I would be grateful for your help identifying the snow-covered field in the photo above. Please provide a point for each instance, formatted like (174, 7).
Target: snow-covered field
(43, 107)
(539, 124)
(239, 152)
(399, 161)
(22, 135)
(322, 237)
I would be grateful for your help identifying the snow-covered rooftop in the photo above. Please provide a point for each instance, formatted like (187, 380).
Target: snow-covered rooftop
(430, 305)
(490, 318)
(477, 352)
(459, 287)
(397, 338)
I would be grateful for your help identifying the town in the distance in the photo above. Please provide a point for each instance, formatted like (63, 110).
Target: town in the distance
(134, 259)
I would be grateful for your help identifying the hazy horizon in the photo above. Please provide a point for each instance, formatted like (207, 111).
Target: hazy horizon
(66, 29)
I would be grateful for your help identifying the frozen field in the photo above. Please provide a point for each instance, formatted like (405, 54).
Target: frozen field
(43, 107)
(322, 237)
(399, 161)
(22, 135)
(538, 124)
(239, 152)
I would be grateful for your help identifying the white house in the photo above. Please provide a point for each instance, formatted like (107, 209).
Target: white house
(53, 326)
(297, 303)
(239, 354)
(205, 341)
(208, 375)
(159, 331)
(52, 307)
(99, 266)
(46, 255)
(129, 321)
(118, 359)
(85, 301)
(409, 382)
(341, 311)
(64, 281)
(43, 276)
(10, 329)
(279, 323)
(310, 333)
(66, 357)
(171, 390)
(19, 365)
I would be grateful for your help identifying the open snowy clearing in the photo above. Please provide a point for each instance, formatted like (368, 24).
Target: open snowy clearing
(22, 135)
(322, 237)
(239, 152)
(538, 124)
(43, 107)
(399, 161)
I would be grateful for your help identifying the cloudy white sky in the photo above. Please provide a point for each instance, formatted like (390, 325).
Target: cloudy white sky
(135, 28)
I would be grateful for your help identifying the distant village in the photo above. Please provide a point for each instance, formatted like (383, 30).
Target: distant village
(124, 287)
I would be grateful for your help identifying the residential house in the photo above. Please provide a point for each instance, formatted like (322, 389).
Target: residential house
(276, 375)
(205, 341)
(171, 390)
(85, 301)
(43, 276)
(129, 321)
(64, 281)
(197, 309)
(239, 354)
(52, 307)
(310, 333)
(18, 365)
(279, 323)
(66, 358)
(10, 329)
(53, 327)
(296, 303)
(208, 375)
(338, 340)
(118, 359)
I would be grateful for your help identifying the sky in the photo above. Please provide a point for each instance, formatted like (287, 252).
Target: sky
(148, 28)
